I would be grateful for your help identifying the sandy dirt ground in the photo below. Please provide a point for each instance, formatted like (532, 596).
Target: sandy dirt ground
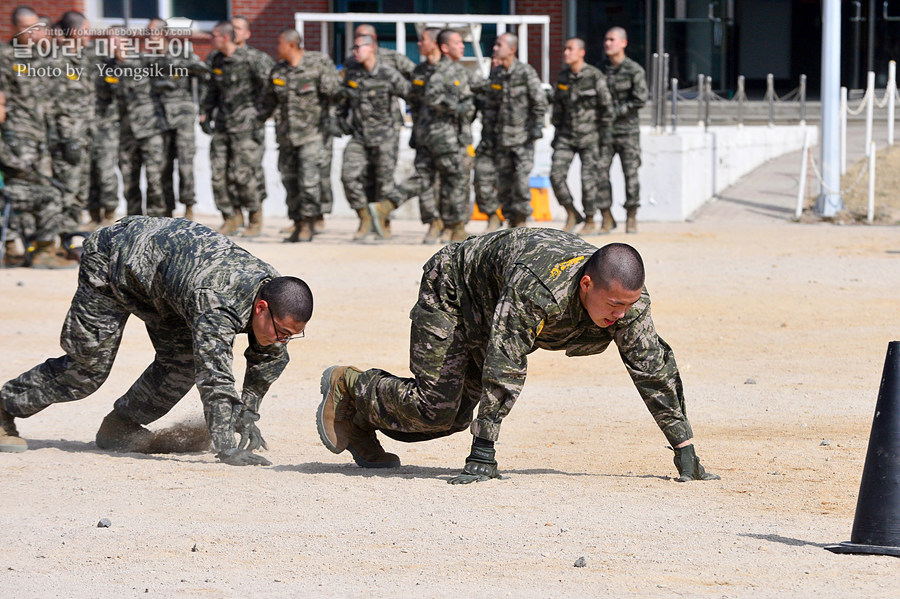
(780, 330)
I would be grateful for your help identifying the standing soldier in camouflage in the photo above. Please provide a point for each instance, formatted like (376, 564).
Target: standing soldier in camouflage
(520, 121)
(582, 115)
(628, 86)
(296, 90)
(175, 91)
(27, 111)
(487, 104)
(367, 113)
(196, 291)
(446, 111)
(230, 113)
(72, 117)
(484, 305)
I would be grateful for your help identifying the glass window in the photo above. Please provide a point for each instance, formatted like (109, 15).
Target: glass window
(200, 10)
(139, 9)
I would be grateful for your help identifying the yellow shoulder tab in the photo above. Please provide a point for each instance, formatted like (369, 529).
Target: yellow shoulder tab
(20, 68)
(353, 84)
(72, 76)
(456, 82)
(496, 86)
(111, 79)
(278, 81)
(418, 82)
(562, 86)
(217, 71)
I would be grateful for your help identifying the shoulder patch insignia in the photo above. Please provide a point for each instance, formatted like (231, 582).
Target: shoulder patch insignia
(111, 79)
(72, 76)
(496, 86)
(418, 82)
(278, 81)
(562, 267)
(353, 84)
(562, 86)
(20, 68)
(217, 71)
(456, 82)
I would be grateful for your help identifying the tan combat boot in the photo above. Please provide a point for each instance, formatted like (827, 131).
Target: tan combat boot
(305, 232)
(230, 225)
(188, 212)
(120, 434)
(45, 256)
(294, 231)
(10, 441)
(459, 232)
(434, 232)
(493, 223)
(571, 219)
(254, 227)
(631, 221)
(380, 213)
(13, 255)
(609, 223)
(589, 227)
(319, 224)
(96, 219)
(516, 221)
(367, 452)
(365, 224)
(336, 410)
(109, 217)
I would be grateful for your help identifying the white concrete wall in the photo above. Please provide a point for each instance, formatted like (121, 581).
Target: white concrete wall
(679, 172)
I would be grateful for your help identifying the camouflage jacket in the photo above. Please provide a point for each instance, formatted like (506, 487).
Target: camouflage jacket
(517, 291)
(628, 85)
(235, 90)
(173, 272)
(175, 88)
(421, 116)
(28, 99)
(367, 102)
(131, 81)
(520, 114)
(582, 105)
(449, 101)
(487, 104)
(297, 95)
(74, 105)
(328, 127)
(397, 61)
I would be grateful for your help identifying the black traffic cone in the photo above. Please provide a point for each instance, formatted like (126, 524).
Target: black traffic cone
(876, 525)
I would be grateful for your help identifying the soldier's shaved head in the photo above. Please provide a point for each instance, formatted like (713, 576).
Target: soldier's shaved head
(619, 263)
(579, 43)
(23, 13)
(366, 29)
(288, 297)
(225, 28)
(291, 36)
(620, 32)
(511, 40)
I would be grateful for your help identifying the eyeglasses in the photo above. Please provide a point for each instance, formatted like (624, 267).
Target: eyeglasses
(284, 338)
(356, 47)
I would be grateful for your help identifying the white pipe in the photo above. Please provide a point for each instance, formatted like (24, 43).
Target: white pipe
(843, 131)
(804, 161)
(523, 43)
(892, 94)
(870, 109)
(829, 201)
(870, 214)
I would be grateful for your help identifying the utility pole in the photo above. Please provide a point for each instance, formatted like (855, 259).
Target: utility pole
(829, 201)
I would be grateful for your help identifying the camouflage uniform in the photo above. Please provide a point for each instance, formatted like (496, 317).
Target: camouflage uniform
(71, 126)
(37, 208)
(194, 289)
(520, 119)
(582, 115)
(628, 86)
(366, 113)
(446, 109)
(329, 129)
(238, 142)
(487, 103)
(141, 127)
(176, 95)
(296, 96)
(104, 192)
(484, 305)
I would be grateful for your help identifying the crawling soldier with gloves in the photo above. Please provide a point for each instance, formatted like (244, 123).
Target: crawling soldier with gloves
(196, 291)
(484, 305)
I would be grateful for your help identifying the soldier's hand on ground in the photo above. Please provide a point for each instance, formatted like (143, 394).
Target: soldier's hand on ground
(480, 466)
(241, 457)
(251, 437)
(689, 466)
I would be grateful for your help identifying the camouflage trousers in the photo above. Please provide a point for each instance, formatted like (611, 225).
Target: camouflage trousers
(368, 166)
(300, 170)
(238, 181)
(179, 146)
(325, 159)
(445, 388)
(90, 338)
(453, 190)
(514, 166)
(104, 191)
(594, 180)
(76, 178)
(149, 153)
(485, 179)
(628, 147)
(37, 211)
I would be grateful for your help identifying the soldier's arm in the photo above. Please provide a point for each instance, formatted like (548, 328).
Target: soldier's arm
(329, 82)
(606, 112)
(264, 366)
(537, 100)
(651, 364)
(557, 103)
(639, 90)
(405, 66)
(402, 85)
(514, 328)
(269, 99)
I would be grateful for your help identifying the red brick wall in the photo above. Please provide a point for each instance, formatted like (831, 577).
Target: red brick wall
(553, 9)
(268, 18)
(51, 8)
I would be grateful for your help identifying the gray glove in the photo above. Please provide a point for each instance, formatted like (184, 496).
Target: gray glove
(480, 466)
(251, 437)
(689, 467)
(242, 457)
